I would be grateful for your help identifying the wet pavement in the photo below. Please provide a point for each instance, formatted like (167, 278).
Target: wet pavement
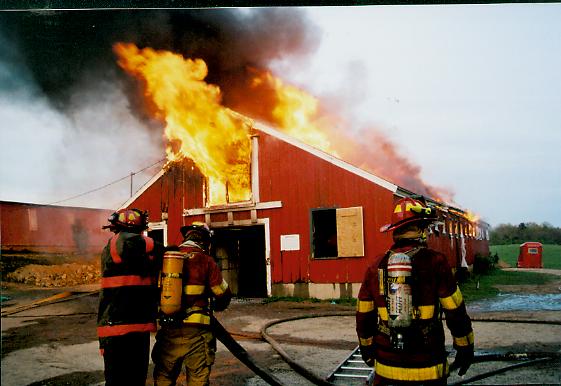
(518, 302)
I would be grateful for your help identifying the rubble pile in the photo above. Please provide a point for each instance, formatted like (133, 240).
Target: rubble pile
(61, 275)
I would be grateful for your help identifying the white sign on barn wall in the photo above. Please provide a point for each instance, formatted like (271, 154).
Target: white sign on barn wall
(290, 242)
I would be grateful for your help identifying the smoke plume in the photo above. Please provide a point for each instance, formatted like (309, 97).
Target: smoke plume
(60, 82)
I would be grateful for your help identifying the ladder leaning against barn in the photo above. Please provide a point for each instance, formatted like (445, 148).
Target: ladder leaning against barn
(352, 371)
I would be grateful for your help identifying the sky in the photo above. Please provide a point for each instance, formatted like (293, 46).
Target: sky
(468, 93)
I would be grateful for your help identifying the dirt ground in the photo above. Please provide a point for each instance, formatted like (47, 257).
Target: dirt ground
(55, 342)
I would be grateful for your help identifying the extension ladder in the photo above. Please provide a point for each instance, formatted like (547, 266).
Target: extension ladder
(352, 371)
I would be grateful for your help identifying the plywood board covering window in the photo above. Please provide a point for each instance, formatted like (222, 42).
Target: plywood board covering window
(337, 232)
(349, 232)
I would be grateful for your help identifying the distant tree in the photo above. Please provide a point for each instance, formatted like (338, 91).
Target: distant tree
(544, 233)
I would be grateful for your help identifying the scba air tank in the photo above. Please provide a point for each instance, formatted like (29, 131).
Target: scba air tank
(400, 301)
(172, 282)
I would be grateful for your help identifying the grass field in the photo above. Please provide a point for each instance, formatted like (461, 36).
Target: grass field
(483, 286)
(551, 257)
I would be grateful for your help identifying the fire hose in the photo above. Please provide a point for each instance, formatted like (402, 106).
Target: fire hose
(528, 358)
(220, 332)
(241, 354)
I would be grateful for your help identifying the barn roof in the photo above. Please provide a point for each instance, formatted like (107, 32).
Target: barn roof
(259, 126)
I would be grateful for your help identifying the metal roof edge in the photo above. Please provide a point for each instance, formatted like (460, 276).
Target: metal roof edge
(325, 156)
(144, 187)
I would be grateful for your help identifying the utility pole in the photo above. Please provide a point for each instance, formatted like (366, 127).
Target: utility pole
(132, 174)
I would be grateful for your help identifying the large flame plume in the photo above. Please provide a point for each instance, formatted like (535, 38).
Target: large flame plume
(197, 125)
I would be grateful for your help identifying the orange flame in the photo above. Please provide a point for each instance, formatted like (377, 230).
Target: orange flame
(471, 217)
(197, 125)
(295, 111)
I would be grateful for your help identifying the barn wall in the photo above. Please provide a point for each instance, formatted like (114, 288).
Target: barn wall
(303, 181)
(180, 187)
(47, 228)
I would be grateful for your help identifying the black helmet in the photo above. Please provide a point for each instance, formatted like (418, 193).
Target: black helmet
(198, 232)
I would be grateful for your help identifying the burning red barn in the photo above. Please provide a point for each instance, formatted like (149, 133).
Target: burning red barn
(310, 227)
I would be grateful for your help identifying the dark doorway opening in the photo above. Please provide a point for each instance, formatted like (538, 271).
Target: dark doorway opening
(240, 252)
(157, 235)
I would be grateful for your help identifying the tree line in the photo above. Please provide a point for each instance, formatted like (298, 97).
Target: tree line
(517, 234)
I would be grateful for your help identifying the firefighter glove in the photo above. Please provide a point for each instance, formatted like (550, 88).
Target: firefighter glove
(367, 353)
(464, 359)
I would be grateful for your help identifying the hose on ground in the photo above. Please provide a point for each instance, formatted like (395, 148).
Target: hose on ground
(315, 379)
(500, 371)
(529, 358)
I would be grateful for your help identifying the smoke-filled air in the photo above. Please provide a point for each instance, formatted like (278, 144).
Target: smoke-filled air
(101, 94)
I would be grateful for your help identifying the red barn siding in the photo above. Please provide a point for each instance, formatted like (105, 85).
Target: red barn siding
(302, 182)
(180, 187)
(48, 228)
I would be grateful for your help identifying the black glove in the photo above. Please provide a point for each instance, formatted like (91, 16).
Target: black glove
(367, 353)
(464, 359)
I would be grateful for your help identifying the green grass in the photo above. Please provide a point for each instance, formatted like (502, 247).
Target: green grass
(551, 257)
(487, 283)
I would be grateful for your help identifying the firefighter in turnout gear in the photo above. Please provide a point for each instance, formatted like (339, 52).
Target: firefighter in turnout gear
(185, 338)
(128, 301)
(398, 318)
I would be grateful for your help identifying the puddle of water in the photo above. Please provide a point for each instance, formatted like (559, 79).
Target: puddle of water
(516, 302)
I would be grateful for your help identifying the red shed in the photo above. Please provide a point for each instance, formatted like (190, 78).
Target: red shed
(52, 229)
(530, 255)
(310, 228)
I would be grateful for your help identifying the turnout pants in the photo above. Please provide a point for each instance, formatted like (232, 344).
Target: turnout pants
(126, 359)
(186, 346)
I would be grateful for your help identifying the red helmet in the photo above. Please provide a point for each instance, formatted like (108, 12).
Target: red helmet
(408, 210)
(130, 219)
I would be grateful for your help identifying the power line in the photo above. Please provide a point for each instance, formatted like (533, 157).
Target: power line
(109, 184)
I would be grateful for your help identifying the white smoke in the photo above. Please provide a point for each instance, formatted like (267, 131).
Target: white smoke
(49, 154)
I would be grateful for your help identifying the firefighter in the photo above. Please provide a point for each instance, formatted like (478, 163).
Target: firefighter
(185, 338)
(400, 302)
(128, 302)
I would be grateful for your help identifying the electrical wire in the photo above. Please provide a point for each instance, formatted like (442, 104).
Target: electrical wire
(107, 185)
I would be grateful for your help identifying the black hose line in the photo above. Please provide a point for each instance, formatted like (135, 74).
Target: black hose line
(529, 358)
(315, 379)
(500, 371)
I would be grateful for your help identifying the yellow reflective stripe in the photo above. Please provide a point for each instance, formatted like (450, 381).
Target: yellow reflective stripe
(366, 341)
(194, 289)
(197, 318)
(412, 374)
(464, 340)
(365, 306)
(220, 289)
(424, 312)
(383, 313)
(381, 284)
(452, 302)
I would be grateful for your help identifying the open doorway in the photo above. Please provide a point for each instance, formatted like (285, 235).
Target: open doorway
(240, 253)
(157, 231)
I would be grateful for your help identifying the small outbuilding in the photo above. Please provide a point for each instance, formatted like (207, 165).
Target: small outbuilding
(530, 255)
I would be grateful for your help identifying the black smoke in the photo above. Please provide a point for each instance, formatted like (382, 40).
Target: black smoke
(65, 49)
